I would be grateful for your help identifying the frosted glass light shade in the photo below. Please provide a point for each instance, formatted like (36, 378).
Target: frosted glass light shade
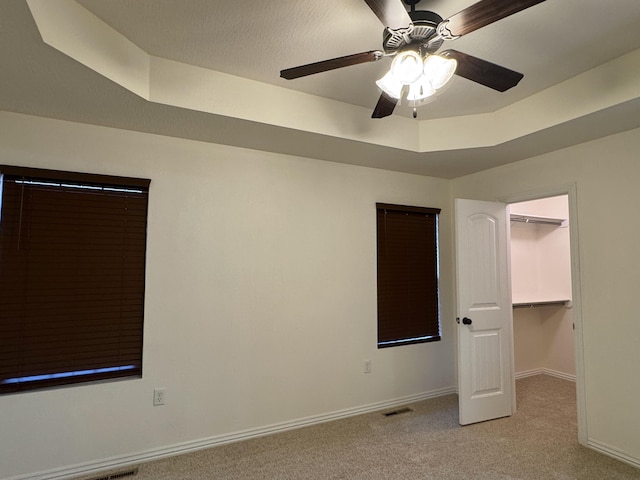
(439, 70)
(389, 85)
(407, 67)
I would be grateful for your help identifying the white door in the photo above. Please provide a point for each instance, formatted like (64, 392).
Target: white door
(486, 385)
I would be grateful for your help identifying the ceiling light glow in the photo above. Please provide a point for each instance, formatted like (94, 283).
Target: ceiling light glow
(389, 85)
(407, 67)
(439, 70)
(424, 77)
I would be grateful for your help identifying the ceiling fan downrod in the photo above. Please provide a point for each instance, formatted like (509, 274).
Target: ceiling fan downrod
(412, 4)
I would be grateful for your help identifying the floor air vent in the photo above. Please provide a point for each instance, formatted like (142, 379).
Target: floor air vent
(116, 475)
(398, 412)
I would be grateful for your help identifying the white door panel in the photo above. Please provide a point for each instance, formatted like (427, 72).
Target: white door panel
(485, 378)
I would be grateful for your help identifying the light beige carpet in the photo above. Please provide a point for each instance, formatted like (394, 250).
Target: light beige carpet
(538, 442)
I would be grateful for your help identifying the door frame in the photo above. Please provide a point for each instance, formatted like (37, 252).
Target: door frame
(571, 191)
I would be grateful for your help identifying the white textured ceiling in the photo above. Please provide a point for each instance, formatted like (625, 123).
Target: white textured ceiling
(550, 43)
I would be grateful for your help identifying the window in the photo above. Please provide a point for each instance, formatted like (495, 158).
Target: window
(72, 271)
(408, 307)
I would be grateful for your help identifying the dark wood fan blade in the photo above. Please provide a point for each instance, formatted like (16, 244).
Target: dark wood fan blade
(384, 107)
(332, 64)
(483, 13)
(392, 13)
(483, 72)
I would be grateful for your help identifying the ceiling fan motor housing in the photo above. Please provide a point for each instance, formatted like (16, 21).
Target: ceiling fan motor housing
(420, 35)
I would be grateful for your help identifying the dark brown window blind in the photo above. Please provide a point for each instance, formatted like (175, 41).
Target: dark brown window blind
(408, 306)
(72, 277)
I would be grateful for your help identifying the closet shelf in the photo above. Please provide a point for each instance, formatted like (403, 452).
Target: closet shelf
(535, 219)
(543, 303)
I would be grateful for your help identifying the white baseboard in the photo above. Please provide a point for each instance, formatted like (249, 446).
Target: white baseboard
(124, 461)
(613, 452)
(545, 371)
(529, 373)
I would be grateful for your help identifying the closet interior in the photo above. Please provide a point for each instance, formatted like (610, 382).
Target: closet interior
(541, 288)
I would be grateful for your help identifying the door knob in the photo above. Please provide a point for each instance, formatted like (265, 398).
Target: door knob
(466, 321)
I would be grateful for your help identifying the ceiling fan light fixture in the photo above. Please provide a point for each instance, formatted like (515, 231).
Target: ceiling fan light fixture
(390, 85)
(439, 70)
(407, 67)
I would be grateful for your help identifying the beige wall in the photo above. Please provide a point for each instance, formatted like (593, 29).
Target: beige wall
(261, 297)
(260, 300)
(543, 341)
(606, 174)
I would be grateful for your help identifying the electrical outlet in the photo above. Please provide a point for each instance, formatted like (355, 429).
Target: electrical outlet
(158, 396)
(367, 366)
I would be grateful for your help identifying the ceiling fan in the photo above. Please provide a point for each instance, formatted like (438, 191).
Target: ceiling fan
(412, 39)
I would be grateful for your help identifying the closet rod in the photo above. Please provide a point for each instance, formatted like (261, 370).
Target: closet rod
(564, 303)
(558, 222)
